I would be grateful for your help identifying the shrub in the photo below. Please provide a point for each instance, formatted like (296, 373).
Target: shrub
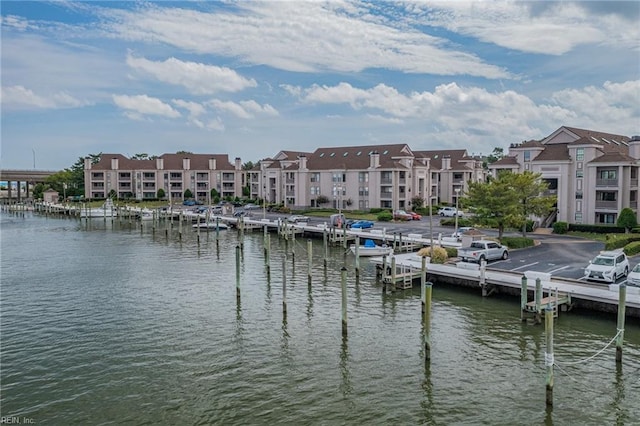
(384, 216)
(627, 219)
(616, 241)
(560, 227)
(451, 251)
(436, 253)
(462, 221)
(376, 210)
(517, 242)
(597, 229)
(632, 248)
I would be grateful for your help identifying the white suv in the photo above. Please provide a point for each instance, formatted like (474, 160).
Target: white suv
(608, 266)
(449, 211)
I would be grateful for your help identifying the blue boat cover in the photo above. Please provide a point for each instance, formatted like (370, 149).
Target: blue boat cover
(369, 243)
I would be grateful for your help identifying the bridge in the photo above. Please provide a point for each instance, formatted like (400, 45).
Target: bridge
(29, 176)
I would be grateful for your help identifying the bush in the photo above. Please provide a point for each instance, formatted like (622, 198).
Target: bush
(376, 210)
(597, 229)
(436, 253)
(517, 242)
(451, 251)
(560, 227)
(616, 241)
(632, 248)
(462, 221)
(384, 216)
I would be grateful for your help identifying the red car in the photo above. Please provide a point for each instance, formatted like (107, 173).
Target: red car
(415, 216)
(402, 215)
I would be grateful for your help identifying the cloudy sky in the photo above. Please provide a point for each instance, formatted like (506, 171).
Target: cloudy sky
(252, 78)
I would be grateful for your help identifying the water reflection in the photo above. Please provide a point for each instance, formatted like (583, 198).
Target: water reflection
(346, 386)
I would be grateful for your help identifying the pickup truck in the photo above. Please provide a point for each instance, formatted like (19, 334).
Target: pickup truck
(483, 249)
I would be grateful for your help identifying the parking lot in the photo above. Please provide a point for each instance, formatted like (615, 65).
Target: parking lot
(561, 256)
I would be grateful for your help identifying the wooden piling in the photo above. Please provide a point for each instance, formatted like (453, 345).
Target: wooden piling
(357, 253)
(621, 315)
(238, 272)
(483, 277)
(423, 282)
(284, 286)
(548, 355)
(428, 290)
(309, 259)
(326, 247)
(538, 317)
(180, 225)
(393, 272)
(524, 298)
(343, 273)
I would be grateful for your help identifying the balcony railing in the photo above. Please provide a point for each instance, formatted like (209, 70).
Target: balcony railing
(290, 180)
(387, 181)
(607, 182)
(386, 195)
(634, 182)
(609, 205)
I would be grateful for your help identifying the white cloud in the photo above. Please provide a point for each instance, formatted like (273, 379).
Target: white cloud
(141, 105)
(300, 37)
(242, 109)
(198, 78)
(195, 109)
(19, 97)
(552, 28)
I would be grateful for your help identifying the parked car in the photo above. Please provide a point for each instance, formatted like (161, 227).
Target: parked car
(297, 219)
(415, 216)
(402, 215)
(362, 224)
(462, 230)
(450, 212)
(241, 213)
(608, 266)
(483, 250)
(251, 206)
(634, 276)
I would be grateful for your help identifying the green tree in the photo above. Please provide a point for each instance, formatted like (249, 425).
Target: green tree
(322, 199)
(417, 202)
(627, 219)
(529, 188)
(248, 165)
(493, 201)
(188, 193)
(160, 194)
(38, 191)
(496, 155)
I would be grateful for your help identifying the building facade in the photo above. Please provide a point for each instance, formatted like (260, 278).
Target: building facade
(593, 174)
(124, 178)
(364, 177)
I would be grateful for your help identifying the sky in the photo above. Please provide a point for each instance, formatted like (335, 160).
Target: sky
(251, 78)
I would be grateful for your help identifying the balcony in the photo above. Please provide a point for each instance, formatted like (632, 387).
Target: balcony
(290, 180)
(386, 181)
(634, 182)
(384, 195)
(228, 177)
(149, 185)
(607, 182)
(607, 205)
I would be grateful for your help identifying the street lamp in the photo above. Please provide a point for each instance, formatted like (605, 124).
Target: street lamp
(457, 190)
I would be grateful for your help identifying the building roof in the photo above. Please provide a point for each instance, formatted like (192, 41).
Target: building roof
(555, 152)
(171, 162)
(356, 157)
(456, 155)
(505, 161)
(613, 157)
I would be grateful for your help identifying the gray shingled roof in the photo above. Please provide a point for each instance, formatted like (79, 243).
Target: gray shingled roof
(171, 162)
(356, 157)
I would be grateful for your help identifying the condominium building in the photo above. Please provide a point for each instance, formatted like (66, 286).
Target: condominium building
(593, 174)
(363, 177)
(122, 177)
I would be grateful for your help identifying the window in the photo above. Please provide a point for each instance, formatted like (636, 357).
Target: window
(578, 195)
(580, 154)
(607, 174)
(338, 177)
(579, 173)
(578, 206)
(606, 196)
(527, 156)
(363, 177)
(578, 217)
(315, 177)
(363, 191)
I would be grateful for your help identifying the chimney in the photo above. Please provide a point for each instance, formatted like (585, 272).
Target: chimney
(303, 162)
(160, 163)
(446, 162)
(186, 164)
(87, 163)
(238, 163)
(114, 163)
(374, 160)
(212, 163)
(634, 147)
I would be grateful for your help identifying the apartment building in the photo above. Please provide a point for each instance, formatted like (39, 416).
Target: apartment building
(593, 174)
(363, 177)
(174, 173)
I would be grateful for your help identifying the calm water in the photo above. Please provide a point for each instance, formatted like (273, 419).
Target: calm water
(105, 325)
